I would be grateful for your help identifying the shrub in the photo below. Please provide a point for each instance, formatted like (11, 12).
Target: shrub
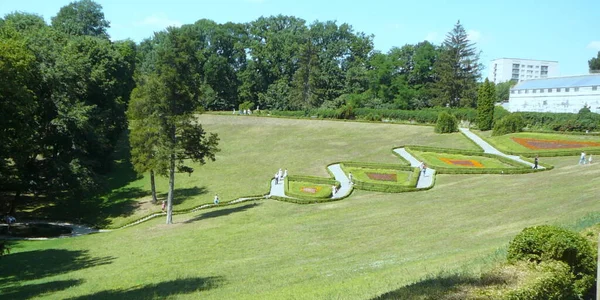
(554, 282)
(346, 112)
(549, 243)
(509, 124)
(446, 123)
(499, 113)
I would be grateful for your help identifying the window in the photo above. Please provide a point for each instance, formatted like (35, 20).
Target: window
(515, 66)
(558, 90)
(577, 89)
(533, 91)
(541, 91)
(595, 88)
(537, 67)
(545, 102)
(526, 91)
(566, 89)
(530, 66)
(520, 91)
(512, 92)
(549, 90)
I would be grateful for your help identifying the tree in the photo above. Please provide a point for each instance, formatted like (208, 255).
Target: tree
(503, 90)
(485, 105)
(594, 64)
(458, 70)
(83, 17)
(164, 105)
(446, 123)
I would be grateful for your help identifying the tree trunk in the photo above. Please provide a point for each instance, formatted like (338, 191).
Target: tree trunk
(171, 189)
(153, 187)
(11, 204)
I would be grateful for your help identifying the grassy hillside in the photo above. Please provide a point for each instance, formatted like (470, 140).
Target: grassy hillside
(253, 149)
(364, 246)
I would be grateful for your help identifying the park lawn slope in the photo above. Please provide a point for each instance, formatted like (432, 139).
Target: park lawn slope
(253, 149)
(367, 245)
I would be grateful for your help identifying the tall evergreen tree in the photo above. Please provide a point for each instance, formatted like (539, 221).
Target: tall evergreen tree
(163, 107)
(485, 105)
(458, 70)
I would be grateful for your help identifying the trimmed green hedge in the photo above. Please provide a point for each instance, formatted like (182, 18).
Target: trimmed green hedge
(553, 280)
(354, 164)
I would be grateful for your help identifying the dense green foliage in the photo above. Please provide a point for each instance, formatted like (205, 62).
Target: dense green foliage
(549, 243)
(63, 99)
(458, 70)
(485, 105)
(509, 124)
(446, 123)
(583, 121)
(554, 281)
(503, 90)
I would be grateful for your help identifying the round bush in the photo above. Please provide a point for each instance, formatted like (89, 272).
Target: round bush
(446, 123)
(554, 281)
(550, 243)
(509, 124)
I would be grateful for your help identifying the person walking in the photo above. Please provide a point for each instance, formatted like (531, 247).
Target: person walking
(535, 162)
(590, 160)
(164, 205)
(582, 159)
(350, 178)
(333, 190)
(216, 201)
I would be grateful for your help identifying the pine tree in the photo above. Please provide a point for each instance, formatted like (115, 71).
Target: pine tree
(485, 105)
(458, 70)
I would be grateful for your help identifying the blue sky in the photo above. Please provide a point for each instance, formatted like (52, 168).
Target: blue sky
(565, 31)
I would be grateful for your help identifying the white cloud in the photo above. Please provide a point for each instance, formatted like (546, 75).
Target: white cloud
(594, 45)
(158, 21)
(473, 35)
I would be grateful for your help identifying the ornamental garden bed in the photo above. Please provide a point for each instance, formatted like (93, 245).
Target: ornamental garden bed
(460, 161)
(308, 189)
(379, 176)
(543, 144)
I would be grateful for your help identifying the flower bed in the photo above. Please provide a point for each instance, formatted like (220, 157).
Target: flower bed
(537, 144)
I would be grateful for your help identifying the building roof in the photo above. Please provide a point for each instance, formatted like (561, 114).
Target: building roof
(512, 58)
(559, 82)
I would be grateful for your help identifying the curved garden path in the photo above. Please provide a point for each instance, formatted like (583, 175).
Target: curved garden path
(426, 180)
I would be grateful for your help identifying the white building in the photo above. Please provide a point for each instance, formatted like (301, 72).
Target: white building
(505, 69)
(559, 94)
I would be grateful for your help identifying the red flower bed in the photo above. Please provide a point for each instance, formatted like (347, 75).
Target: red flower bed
(535, 144)
(382, 177)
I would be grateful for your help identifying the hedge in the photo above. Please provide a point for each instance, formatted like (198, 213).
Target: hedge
(552, 281)
(376, 166)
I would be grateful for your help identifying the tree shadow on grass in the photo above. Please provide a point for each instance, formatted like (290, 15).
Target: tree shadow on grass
(31, 265)
(32, 290)
(160, 290)
(184, 194)
(455, 286)
(222, 212)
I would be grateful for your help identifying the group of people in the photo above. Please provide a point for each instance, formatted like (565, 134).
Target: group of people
(245, 111)
(280, 175)
(583, 160)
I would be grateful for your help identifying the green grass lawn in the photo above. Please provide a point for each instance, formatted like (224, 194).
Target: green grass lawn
(253, 149)
(506, 144)
(364, 246)
(434, 159)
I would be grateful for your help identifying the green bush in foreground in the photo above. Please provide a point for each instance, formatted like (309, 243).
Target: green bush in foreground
(509, 124)
(555, 281)
(549, 243)
(446, 123)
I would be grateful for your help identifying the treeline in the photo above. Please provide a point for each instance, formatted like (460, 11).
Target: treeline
(63, 96)
(283, 63)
